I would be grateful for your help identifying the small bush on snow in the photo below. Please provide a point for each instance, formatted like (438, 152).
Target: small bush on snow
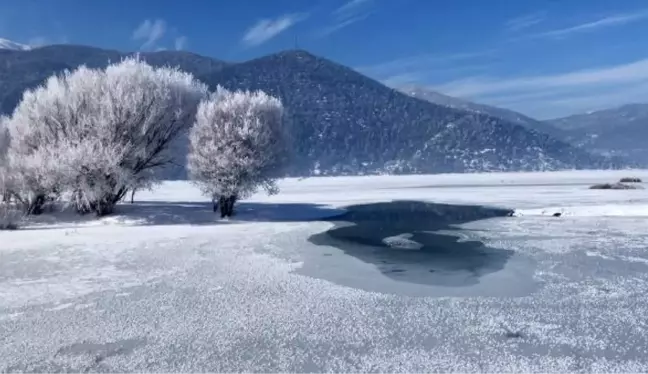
(630, 180)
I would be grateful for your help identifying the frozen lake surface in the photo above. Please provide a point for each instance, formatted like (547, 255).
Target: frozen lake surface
(468, 273)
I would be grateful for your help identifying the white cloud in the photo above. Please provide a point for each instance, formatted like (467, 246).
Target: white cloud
(267, 29)
(604, 75)
(351, 7)
(415, 69)
(554, 95)
(150, 32)
(400, 80)
(614, 20)
(336, 26)
(180, 43)
(430, 61)
(525, 21)
(347, 14)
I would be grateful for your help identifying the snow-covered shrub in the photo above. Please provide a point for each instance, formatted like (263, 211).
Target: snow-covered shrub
(96, 134)
(237, 145)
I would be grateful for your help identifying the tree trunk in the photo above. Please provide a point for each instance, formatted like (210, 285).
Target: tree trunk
(214, 204)
(227, 205)
(121, 193)
(231, 201)
(222, 202)
(82, 207)
(36, 206)
(133, 195)
(104, 207)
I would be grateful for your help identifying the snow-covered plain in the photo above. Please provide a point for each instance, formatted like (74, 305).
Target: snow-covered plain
(164, 285)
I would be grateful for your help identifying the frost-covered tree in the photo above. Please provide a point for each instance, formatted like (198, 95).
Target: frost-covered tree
(97, 134)
(237, 145)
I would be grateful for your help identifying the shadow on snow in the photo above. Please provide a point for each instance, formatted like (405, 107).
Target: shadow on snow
(145, 213)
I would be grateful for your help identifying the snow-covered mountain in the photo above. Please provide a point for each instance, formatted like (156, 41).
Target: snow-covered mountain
(343, 122)
(8, 44)
(432, 96)
(626, 115)
(620, 131)
(346, 122)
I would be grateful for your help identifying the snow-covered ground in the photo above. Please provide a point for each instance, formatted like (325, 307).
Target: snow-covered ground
(164, 285)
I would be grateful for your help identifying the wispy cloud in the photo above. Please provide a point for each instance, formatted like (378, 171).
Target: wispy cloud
(400, 80)
(603, 75)
(418, 68)
(180, 43)
(525, 21)
(610, 21)
(266, 29)
(555, 95)
(347, 14)
(418, 61)
(150, 32)
(351, 6)
(336, 26)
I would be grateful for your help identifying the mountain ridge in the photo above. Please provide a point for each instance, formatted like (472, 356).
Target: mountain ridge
(430, 95)
(615, 131)
(6, 44)
(343, 122)
(451, 132)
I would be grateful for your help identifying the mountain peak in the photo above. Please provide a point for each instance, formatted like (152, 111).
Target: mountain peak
(300, 53)
(293, 55)
(8, 44)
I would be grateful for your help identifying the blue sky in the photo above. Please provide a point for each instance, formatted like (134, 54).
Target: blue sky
(543, 58)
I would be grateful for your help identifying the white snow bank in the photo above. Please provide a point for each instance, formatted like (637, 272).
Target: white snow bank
(529, 194)
(605, 210)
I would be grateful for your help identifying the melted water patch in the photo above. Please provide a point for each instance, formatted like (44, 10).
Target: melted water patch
(414, 248)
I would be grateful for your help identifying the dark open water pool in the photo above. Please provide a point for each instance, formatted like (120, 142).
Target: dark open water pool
(416, 248)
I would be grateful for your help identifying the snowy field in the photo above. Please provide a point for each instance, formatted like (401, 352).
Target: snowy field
(442, 282)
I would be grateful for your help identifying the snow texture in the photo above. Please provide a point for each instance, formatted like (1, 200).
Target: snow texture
(164, 286)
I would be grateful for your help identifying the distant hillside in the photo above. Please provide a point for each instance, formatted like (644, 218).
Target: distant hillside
(22, 69)
(507, 114)
(13, 46)
(620, 131)
(347, 123)
(342, 122)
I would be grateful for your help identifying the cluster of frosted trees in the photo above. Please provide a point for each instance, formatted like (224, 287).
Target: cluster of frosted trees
(90, 136)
